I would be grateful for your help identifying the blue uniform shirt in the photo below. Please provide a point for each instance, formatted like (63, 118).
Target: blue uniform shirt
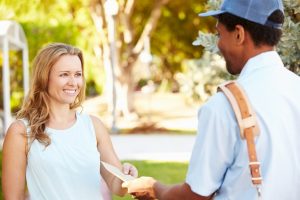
(219, 161)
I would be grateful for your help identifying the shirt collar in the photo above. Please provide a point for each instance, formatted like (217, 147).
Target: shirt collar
(263, 60)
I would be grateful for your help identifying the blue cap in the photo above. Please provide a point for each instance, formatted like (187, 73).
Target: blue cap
(253, 10)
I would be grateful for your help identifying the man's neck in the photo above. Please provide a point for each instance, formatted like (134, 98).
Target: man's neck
(258, 50)
(251, 51)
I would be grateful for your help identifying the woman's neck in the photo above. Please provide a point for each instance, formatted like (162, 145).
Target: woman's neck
(61, 117)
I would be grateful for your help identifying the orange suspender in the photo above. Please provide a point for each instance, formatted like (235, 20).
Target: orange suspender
(248, 125)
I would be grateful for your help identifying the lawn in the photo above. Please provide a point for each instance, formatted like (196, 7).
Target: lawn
(166, 172)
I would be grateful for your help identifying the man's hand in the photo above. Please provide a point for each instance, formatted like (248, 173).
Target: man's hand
(141, 188)
(147, 188)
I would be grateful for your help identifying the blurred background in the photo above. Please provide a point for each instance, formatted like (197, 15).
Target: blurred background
(131, 48)
(143, 73)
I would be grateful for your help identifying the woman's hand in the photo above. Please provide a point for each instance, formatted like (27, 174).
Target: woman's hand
(130, 169)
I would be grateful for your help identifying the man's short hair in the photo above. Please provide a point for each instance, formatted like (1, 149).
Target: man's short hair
(260, 34)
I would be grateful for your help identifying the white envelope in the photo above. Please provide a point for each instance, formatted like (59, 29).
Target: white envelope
(116, 172)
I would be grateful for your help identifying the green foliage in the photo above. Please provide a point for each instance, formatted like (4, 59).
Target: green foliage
(16, 77)
(69, 21)
(208, 40)
(289, 46)
(166, 172)
(200, 78)
(175, 32)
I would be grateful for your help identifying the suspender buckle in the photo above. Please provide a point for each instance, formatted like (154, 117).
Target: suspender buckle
(258, 190)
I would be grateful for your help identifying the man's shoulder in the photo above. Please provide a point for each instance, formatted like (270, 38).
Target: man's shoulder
(217, 103)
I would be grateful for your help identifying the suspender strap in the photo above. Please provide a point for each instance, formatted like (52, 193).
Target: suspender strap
(248, 125)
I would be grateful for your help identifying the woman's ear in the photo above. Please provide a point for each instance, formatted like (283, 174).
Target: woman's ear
(239, 34)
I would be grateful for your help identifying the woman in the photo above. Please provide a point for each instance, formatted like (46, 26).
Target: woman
(52, 148)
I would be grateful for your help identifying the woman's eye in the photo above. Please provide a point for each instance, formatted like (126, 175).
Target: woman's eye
(78, 74)
(63, 75)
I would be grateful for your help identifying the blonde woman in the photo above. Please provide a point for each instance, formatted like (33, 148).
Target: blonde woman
(52, 148)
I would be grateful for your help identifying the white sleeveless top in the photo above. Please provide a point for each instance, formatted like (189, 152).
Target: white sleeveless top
(69, 168)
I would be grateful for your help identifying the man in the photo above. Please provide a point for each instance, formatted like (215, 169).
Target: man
(248, 32)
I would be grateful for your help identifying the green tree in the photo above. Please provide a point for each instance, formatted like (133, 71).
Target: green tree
(289, 46)
(120, 45)
(175, 33)
(170, 25)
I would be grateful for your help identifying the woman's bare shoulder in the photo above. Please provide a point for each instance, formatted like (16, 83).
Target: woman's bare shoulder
(100, 129)
(97, 121)
(16, 129)
(15, 137)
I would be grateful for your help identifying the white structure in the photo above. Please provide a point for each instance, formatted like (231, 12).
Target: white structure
(111, 8)
(12, 37)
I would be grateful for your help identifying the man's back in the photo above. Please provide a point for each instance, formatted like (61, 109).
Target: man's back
(272, 91)
(275, 95)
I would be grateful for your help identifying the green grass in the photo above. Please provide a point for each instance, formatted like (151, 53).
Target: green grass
(165, 172)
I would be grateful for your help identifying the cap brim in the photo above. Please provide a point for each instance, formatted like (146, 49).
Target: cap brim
(212, 13)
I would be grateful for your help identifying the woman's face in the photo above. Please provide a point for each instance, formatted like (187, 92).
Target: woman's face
(65, 80)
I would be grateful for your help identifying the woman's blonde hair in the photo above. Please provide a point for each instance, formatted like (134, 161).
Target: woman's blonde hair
(35, 108)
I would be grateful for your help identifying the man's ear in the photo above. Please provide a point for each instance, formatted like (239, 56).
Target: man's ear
(239, 34)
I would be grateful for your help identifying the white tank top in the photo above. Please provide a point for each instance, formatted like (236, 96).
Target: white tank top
(69, 168)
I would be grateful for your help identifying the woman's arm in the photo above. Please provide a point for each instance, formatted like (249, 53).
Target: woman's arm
(108, 155)
(14, 162)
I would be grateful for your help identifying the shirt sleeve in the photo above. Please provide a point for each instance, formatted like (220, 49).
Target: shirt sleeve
(213, 151)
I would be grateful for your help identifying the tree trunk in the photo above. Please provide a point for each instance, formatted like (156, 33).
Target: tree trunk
(124, 83)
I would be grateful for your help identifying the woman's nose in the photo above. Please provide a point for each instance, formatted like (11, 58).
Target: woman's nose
(71, 80)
